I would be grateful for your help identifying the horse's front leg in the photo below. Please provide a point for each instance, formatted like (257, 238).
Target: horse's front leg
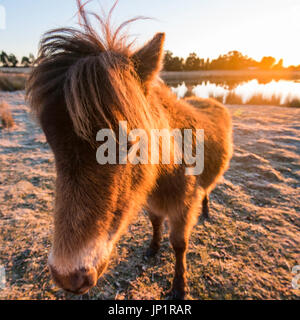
(181, 227)
(157, 224)
(179, 244)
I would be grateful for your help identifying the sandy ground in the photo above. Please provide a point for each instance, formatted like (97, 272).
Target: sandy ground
(247, 251)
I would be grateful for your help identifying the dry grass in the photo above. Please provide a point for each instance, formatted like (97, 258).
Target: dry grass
(6, 118)
(12, 82)
(259, 99)
(247, 251)
(221, 75)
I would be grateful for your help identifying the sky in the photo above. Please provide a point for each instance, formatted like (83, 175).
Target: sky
(256, 28)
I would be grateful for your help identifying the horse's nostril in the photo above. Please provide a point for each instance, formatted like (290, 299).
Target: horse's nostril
(78, 282)
(82, 280)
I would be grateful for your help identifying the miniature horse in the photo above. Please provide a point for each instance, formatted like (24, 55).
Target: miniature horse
(85, 82)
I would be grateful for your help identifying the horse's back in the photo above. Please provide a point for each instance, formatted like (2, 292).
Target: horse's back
(215, 119)
(213, 109)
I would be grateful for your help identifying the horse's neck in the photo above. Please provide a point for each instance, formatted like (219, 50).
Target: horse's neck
(164, 101)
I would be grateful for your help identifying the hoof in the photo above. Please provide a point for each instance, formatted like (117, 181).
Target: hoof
(176, 294)
(202, 219)
(151, 252)
(206, 216)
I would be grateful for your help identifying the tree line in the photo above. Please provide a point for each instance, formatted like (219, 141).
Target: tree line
(10, 60)
(233, 60)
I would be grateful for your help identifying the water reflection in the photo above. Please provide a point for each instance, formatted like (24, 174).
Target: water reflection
(282, 92)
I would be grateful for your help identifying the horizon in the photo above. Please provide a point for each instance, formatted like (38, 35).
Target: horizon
(215, 23)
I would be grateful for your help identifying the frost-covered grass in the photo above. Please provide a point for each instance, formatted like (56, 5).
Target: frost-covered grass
(12, 82)
(247, 251)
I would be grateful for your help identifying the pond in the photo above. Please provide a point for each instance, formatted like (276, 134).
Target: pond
(274, 92)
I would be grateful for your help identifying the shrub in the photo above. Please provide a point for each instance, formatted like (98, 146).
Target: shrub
(6, 117)
(12, 82)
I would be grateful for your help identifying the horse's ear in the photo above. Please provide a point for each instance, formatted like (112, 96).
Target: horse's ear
(148, 60)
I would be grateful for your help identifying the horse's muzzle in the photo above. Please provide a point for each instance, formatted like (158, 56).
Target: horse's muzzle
(77, 282)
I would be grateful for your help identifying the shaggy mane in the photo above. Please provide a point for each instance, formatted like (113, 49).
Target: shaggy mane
(92, 73)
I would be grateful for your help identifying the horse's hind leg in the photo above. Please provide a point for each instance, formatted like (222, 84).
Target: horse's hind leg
(181, 227)
(205, 207)
(157, 224)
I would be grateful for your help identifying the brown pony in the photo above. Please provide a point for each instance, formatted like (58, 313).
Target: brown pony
(85, 82)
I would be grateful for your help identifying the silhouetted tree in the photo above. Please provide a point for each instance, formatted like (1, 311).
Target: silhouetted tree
(28, 61)
(4, 59)
(193, 62)
(172, 63)
(267, 63)
(12, 59)
(278, 65)
(25, 62)
(233, 60)
(207, 64)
